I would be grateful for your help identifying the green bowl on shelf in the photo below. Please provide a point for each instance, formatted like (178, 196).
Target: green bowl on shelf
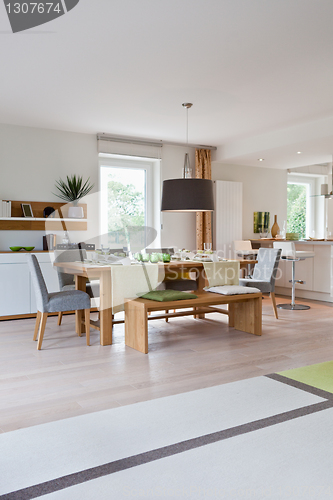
(15, 249)
(28, 249)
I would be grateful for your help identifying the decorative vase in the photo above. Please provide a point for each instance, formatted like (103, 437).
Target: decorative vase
(275, 228)
(75, 212)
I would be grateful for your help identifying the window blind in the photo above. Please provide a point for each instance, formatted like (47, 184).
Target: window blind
(129, 147)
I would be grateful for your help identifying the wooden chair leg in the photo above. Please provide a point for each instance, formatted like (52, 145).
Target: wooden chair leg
(59, 318)
(87, 324)
(166, 319)
(38, 318)
(41, 330)
(272, 295)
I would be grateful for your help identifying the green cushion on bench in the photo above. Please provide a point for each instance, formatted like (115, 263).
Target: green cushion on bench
(168, 295)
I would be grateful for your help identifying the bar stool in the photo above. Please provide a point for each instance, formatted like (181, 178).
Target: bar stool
(291, 254)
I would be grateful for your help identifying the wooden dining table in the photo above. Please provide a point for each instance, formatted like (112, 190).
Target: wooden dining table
(83, 271)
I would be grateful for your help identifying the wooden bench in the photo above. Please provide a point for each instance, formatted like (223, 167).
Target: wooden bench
(244, 311)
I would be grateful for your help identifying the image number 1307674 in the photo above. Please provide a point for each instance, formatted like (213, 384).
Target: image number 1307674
(24, 15)
(34, 8)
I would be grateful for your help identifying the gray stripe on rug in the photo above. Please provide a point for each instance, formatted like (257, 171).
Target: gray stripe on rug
(166, 451)
(301, 385)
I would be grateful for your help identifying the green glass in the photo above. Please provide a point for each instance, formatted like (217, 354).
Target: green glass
(145, 257)
(166, 257)
(138, 256)
(160, 257)
(154, 258)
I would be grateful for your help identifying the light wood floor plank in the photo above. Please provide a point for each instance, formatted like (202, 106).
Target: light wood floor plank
(67, 378)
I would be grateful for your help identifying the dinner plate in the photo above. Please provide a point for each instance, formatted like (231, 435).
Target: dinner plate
(200, 259)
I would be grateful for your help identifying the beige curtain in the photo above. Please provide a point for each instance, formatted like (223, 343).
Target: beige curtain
(203, 170)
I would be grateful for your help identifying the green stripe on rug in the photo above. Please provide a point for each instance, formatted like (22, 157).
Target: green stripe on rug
(319, 375)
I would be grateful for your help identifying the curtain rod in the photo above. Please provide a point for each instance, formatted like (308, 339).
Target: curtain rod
(147, 142)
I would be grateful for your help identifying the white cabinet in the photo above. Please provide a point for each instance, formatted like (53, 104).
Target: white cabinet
(317, 272)
(16, 292)
(304, 268)
(14, 289)
(322, 269)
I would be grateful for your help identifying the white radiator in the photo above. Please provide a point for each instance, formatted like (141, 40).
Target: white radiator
(227, 216)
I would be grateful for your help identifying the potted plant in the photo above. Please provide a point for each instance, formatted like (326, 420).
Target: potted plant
(72, 191)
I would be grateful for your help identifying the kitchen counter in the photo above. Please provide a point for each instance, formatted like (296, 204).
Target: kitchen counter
(311, 242)
(316, 273)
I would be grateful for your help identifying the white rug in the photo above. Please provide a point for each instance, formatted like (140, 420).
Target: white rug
(246, 439)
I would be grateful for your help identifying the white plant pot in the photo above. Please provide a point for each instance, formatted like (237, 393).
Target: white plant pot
(75, 213)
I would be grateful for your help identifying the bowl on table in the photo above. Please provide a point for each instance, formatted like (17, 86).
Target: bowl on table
(166, 257)
(15, 249)
(28, 249)
(292, 236)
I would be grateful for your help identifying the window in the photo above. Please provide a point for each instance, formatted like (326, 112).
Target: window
(297, 212)
(130, 200)
(306, 207)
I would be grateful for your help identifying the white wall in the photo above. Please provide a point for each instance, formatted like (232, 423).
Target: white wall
(264, 190)
(31, 160)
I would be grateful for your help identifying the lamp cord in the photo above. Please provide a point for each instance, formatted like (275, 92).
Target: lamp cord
(187, 126)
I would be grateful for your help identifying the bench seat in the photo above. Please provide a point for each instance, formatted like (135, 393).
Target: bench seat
(244, 311)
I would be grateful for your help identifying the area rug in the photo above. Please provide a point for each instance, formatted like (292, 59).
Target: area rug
(261, 438)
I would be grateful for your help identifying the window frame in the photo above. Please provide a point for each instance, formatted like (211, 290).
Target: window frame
(315, 206)
(153, 186)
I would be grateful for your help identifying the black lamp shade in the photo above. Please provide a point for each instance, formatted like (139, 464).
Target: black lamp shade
(187, 195)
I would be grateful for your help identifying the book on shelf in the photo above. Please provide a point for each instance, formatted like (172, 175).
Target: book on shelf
(5, 208)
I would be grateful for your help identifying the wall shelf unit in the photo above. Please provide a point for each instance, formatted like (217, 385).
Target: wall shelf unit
(60, 221)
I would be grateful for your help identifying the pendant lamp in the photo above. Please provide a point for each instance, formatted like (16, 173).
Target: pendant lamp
(187, 194)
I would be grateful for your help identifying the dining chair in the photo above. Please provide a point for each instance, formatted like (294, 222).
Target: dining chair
(67, 281)
(70, 300)
(264, 273)
(182, 283)
(243, 250)
(289, 253)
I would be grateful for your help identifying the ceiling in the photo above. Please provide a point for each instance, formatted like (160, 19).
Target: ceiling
(259, 72)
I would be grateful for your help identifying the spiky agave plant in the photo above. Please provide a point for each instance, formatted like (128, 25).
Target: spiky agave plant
(73, 189)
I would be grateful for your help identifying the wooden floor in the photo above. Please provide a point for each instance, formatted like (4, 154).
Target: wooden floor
(67, 378)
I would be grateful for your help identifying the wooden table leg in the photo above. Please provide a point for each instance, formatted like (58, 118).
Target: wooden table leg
(80, 284)
(231, 314)
(105, 313)
(201, 283)
(136, 326)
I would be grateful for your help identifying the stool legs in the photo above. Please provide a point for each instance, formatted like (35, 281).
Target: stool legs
(293, 306)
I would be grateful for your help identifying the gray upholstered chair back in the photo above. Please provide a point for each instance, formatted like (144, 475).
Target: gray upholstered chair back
(68, 256)
(42, 296)
(268, 263)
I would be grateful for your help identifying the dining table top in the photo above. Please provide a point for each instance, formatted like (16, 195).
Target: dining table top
(86, 268)
(102, 272)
